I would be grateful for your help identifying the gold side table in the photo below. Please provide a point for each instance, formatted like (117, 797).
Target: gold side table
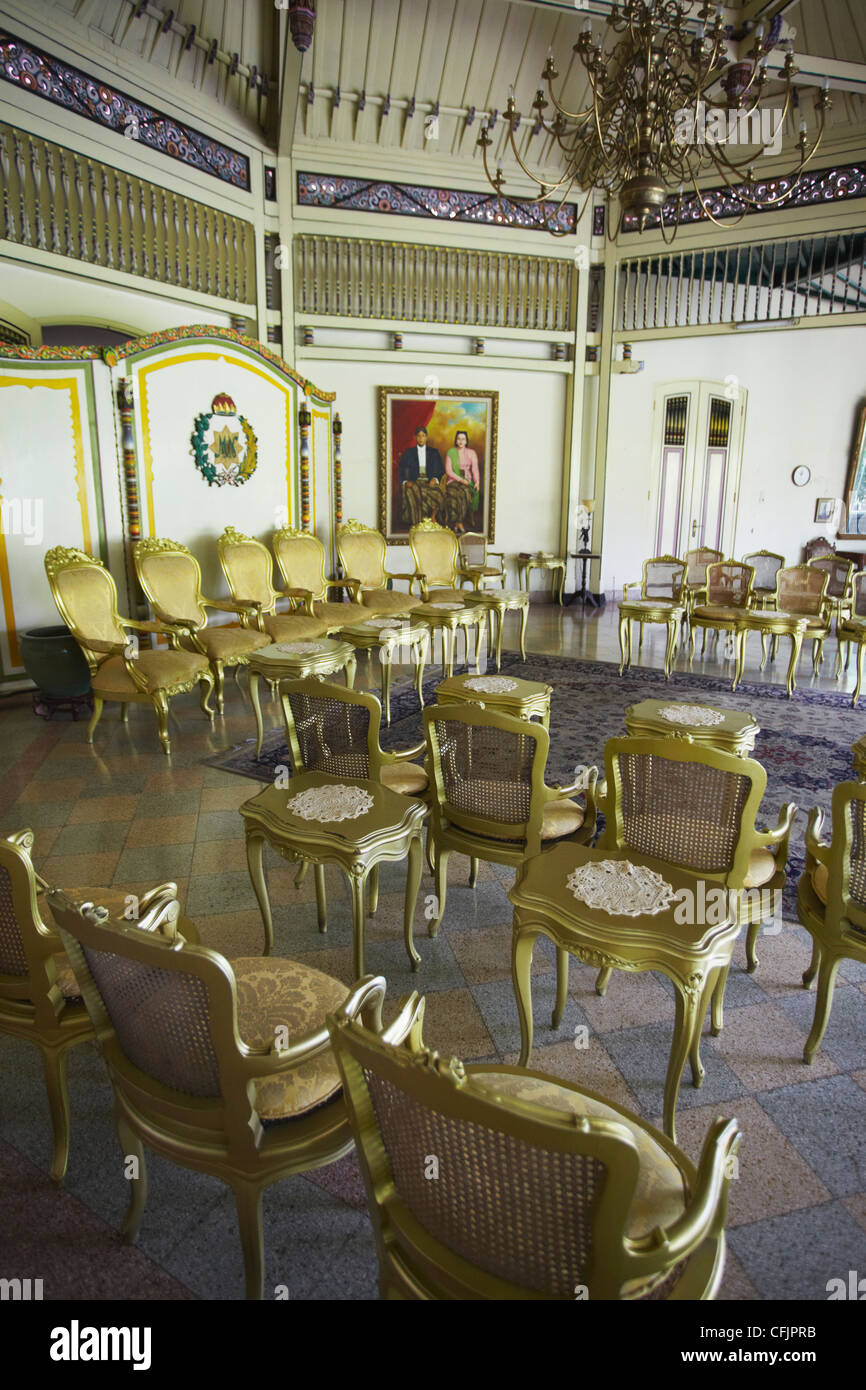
(692, 957)
(770, 623)
(447, 616)
(321, 820)
(498, 602)
(731, 730)
(322, 656)
(508, 694)
(649, 611)
(387, 634)
(526, 563)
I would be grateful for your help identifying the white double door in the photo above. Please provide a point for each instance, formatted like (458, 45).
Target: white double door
(697, 446)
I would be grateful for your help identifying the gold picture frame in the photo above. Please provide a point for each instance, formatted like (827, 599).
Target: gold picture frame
(855, 492)
(457, 487)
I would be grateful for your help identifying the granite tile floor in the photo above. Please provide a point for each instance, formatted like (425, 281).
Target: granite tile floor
(121, 813)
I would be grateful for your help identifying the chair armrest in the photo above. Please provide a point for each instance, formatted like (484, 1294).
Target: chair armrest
(171, 627)
(706, 1212)
(305, 596)
(816, 849)
(398, 755)
(411, 576)
(586, 783)
(632, 584)
(365, 998)
(500, 553)
(227, 605)
(782, 833)
(352, 586)
(95, 644)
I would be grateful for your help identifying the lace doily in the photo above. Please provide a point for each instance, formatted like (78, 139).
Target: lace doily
(338, 802)
(396, 621)
(446, 605)
(691, 714)
(621, 888)
(491, 685)
(301, 648)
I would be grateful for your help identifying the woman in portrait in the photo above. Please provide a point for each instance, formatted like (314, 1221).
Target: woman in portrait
(463, 482)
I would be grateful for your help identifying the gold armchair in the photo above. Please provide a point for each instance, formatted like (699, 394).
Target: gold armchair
(301, 558)
(249, 569)
(801, 590)
(86, 598)
(728, 600)
(490, 799)
(853, 629)
(40, 999)
(170, 576)
(692, 806)
(831, 899)
(600, 1205)
(697, 562)
(436, 553)
(474, 566)
(362, 555)
(840, 576)
(766, 564)
(660, 601)
(222, 1068)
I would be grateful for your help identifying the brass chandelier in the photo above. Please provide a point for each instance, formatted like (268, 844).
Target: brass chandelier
(644, 137)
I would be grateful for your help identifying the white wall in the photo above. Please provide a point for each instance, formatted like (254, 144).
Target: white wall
(804, 388)
(529, 456)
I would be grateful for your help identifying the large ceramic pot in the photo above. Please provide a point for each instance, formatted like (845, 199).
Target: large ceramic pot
(54, 662)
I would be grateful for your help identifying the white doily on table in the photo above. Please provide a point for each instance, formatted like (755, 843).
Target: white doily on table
(491, 685)
(446, 605)
(338, 802)
(691, 714)
(621, 888)
(396, 621)
(301, 648)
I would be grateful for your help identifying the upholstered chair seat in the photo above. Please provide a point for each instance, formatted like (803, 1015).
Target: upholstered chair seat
(409, 779)
(301, 559)
(161, 670)
(446, 595)
(387, 601)
(277, 993)
(336, 615)
(227, 643)
(293, 627)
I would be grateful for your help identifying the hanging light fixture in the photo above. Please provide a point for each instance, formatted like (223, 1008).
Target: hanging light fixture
(650, 129)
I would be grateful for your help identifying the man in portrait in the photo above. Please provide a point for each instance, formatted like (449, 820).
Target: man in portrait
(420, 471)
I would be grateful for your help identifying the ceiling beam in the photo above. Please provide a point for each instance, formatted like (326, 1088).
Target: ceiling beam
(288, 64)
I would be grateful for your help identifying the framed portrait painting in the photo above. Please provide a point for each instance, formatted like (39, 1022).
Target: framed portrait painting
(437, 459)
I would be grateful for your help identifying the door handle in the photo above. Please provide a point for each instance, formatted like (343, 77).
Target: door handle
(694, 529)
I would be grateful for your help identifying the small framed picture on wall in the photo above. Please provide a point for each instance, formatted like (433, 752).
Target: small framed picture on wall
(827, 511)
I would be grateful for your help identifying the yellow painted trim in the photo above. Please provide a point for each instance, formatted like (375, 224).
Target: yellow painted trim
(144, 411)
(70, 384)
(326, 416)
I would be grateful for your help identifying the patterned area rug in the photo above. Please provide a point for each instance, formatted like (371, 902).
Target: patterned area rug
(804, 743)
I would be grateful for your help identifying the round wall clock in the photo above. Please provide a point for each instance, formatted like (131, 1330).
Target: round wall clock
(801, 475)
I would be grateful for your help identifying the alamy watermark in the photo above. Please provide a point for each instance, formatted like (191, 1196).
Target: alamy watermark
(23, 516)
(715, 125)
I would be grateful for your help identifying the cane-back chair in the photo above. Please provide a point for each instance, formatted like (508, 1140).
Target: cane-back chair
(675, 802)
(840, 575)
(86, 598)
(249, 571)
(40, 998)
(362, 555)
(301, 558)
(802, 590)
(436, 552)
(490, 800)
(853, 629)
(831, 899)
(660, 600)
(540, 1190)
(766, 564)
(170, 576)
(728, 599)
(696, 561)
(474, 558)
(222, 1068)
